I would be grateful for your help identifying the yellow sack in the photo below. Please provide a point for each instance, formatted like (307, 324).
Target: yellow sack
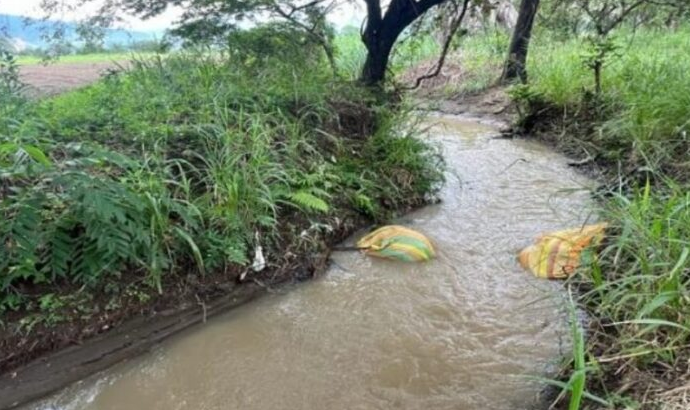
(397, 243)
(556, 255)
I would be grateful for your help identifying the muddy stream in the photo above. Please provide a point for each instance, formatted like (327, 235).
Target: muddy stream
(467, 331)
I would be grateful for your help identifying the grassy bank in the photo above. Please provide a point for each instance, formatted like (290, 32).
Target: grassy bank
(154, 188)
(635, 135)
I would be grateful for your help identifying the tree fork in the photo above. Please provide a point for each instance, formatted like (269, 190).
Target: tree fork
(382, 31)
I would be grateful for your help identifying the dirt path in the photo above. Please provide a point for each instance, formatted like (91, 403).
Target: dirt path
(57, 78)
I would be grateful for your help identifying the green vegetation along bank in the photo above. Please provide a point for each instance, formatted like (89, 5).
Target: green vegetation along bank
(634, 136)
(155, 188)
(160, 183)
(634, 133)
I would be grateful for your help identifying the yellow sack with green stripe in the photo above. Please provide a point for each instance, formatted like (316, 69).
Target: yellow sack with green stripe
(397, 243)
(557, 255)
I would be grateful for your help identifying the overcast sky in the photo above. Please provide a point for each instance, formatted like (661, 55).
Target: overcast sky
(347, 14)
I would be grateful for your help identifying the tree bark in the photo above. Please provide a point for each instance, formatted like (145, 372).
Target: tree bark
(376, 63)
(515, 66)
(330, 55)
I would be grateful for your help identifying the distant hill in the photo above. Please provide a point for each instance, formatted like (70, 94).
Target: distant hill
(23, 35)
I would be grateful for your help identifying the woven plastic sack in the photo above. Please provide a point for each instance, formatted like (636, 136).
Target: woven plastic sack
(397, 243)
(557, 255)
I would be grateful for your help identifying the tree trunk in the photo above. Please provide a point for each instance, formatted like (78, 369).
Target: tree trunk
(597, 76)
(330, 55)
(517, 53)
(376, 63)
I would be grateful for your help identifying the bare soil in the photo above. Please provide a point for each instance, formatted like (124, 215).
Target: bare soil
(58, 78)
(494, 103)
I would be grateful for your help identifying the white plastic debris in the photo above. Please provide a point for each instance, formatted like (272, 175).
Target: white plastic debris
(259, 263)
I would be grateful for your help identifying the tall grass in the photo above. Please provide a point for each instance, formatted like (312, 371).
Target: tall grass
(644, 91)
(183, 164)
(351, 54)
(647, 269)
(636, 290)
(481, 57)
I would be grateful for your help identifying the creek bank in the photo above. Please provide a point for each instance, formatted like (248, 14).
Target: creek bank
(448, 333)
(154, 186)
(638, 185)
(133, 337)
(71, 351)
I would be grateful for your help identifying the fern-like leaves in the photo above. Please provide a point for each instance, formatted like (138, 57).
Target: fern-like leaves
(311, 202)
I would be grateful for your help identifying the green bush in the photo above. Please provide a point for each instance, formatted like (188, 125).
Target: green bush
(277, 42)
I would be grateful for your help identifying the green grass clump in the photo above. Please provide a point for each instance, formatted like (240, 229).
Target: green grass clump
(641, 120)
(647, 266)
(351, 54)
(183, 164)
(635, 293)
(481, 59)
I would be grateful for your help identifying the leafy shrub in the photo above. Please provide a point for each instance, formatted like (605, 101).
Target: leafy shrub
(11, 88)
(280, 43)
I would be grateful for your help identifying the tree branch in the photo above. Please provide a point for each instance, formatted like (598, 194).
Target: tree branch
(294, 9)
(401, 13)
(455, 25)
(312, 31)
(624, 14)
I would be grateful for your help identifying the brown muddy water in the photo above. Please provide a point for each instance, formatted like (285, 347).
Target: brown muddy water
(467, 331)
